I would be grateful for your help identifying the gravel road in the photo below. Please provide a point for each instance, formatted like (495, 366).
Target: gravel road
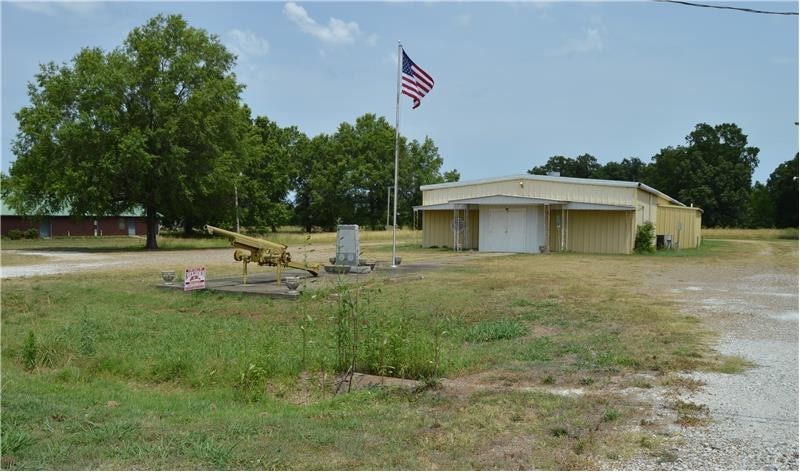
(64, 262)
(754, 415)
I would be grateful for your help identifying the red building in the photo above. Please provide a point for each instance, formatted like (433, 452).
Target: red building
(63, 224)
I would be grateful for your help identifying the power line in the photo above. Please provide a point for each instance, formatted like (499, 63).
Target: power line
(723, 7)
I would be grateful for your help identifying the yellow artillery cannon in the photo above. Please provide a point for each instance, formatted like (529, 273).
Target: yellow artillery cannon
(262, 252)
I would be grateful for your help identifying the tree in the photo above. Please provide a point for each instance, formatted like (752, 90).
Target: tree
(762, 208)
(420, 165)
(583, 166)
(345, 177)
(266, 179)
(155, 124)
(452, 176)
(783, 191)
(713, 170)
(629, 169)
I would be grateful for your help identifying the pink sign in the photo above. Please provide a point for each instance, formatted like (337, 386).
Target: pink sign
(194, 279)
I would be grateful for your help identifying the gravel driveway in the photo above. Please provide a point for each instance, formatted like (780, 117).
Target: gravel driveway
(754, 415)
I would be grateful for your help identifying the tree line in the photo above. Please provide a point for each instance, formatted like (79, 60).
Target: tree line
(713, 170)
(158, 125)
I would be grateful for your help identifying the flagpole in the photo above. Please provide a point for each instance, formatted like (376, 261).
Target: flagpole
(396, 155)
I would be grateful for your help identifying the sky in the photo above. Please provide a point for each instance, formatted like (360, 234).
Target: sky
(515, 82)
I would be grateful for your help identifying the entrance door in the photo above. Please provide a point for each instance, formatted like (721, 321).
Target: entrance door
(131, 227)
(44, 228)
(502, 229)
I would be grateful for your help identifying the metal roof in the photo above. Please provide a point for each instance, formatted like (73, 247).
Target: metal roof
(513, 200)
(598, 206)
(440, 206)
(507, 200)
(6, 210)
(549, 178)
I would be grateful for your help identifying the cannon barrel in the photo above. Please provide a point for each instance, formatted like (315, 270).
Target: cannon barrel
(246, 241)
(262, 252)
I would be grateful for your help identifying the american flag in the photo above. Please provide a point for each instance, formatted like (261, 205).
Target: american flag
(416, 82)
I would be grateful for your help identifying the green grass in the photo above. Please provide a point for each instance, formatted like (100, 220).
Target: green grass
(494, 330)
(121, 374)
(707, 248)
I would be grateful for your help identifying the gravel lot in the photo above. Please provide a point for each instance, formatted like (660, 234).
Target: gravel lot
(754, 415)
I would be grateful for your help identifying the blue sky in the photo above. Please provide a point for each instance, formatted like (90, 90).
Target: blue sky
(515, 82)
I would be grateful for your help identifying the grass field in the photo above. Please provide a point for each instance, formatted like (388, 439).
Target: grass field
(103, 372)
(200, 241)
(746, 234)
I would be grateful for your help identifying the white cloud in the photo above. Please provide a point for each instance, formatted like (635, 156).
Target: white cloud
(81, 8)
(336, 32)
(58, 7)
(591, 42)
(246, 44)
(464, 19)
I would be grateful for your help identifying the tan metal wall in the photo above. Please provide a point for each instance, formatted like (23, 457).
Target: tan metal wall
(572, 192)
(691, 220)
(607, 232)
(555, 233)
(436, 230)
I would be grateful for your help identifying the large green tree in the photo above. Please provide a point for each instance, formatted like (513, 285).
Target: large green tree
(762, 208)
(783, 192)
(713, 170)
(155, 124)
(583, 166)
(345, 177)
(629, 169)
(265, 180)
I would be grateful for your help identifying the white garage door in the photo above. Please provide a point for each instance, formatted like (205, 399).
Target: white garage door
(502, 229)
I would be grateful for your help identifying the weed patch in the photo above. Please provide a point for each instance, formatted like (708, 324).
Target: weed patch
(691, 414)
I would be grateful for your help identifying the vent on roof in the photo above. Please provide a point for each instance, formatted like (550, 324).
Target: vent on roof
(554, 174)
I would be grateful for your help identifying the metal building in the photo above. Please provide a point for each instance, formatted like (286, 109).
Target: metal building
(543, 213)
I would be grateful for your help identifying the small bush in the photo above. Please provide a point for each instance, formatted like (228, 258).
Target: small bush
(610, 414)
(14, 234)
(645, 233)
(31, 233)
(495, 330)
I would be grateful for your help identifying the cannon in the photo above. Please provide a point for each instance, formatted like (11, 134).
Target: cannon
(262, 252)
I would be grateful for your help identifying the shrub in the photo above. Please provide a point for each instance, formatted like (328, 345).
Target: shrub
(645, 233)
(31, 233)
(14, 234)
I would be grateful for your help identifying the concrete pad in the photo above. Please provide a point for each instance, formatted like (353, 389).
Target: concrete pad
(263, 282)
